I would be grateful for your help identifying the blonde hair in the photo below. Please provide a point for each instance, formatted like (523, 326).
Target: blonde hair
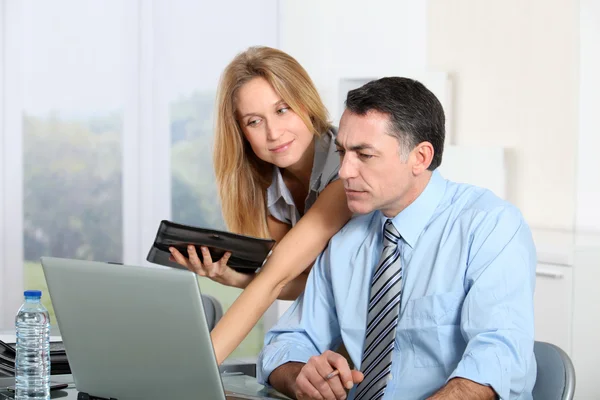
(242, 178)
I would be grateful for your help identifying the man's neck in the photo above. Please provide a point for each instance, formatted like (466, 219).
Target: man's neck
(412, 194)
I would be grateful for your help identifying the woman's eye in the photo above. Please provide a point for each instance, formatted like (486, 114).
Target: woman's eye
(253, 122)
(283, 110)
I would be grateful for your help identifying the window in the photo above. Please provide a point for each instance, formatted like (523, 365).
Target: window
(72, 120)
(193, 68)
(106, 115)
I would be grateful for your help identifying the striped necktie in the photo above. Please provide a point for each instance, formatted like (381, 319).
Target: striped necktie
(382, 318)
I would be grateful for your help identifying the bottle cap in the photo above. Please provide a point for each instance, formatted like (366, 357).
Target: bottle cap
(36, 294)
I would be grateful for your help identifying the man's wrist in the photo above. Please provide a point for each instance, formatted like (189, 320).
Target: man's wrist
(464, 389)
(283, 378)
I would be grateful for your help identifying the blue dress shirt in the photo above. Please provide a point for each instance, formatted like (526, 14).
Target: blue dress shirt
(467, 302)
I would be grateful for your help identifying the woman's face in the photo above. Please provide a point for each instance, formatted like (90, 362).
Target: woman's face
(276, 134)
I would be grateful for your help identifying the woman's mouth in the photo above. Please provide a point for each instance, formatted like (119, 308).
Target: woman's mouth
(281, 148)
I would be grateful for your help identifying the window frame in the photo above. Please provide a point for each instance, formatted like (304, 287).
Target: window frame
(11, 161)
(146, 193)
(146, 139)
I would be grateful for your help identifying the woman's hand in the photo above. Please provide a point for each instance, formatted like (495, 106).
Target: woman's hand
(218, 271)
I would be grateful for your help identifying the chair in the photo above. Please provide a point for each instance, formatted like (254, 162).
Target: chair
(555, 373)
(212, 310)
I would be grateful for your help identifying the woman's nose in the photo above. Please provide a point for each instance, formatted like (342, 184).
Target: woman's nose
(274, 130)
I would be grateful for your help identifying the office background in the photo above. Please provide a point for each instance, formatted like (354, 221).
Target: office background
(106, 123)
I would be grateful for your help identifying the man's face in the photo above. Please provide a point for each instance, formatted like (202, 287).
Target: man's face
(371, 166)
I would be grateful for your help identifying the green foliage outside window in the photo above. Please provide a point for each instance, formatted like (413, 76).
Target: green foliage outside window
(72, 172)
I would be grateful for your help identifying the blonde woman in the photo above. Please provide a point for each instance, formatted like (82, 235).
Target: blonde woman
(276, 171)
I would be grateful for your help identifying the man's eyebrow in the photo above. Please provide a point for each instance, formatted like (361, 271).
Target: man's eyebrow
(357, 147)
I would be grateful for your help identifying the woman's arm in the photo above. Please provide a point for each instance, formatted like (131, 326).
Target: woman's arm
(296, 251)
(292, 290)
(295, 287)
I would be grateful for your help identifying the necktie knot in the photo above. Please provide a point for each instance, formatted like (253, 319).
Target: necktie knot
(390, 234)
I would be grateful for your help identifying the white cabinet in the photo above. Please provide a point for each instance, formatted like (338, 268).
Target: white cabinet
(567, 298)
(553, 304)
(586, 321)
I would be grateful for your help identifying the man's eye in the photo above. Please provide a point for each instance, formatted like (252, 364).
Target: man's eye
(365, 156)
(340, 152)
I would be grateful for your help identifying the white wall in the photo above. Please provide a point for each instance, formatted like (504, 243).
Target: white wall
(514, 66)
(338, 39)
(588, 160)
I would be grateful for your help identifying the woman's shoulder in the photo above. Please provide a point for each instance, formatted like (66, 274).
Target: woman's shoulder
(327, 138)
(327, 161)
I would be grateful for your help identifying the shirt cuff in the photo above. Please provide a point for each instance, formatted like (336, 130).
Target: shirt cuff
(486, 371)
(276, 354)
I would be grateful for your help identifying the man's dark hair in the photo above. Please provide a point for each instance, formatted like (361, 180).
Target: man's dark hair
(416, 115)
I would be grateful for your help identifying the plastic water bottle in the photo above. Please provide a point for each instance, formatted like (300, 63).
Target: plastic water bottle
(32, 366)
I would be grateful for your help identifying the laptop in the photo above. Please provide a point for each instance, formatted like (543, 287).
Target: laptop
(134, 332)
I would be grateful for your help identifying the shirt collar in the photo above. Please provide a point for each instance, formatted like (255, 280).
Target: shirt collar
(411, 221)
(278, 190)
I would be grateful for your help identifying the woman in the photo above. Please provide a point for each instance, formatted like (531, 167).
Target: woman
(276, 170)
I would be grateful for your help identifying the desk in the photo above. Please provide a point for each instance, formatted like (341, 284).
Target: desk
(237, 383)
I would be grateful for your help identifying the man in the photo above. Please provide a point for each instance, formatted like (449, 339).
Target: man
(430, 289)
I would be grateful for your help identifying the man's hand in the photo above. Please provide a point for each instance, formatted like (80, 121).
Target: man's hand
(464, 389)
(308, 381)
(312, 382)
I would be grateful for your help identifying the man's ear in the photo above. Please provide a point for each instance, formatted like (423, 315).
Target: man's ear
(422, 156)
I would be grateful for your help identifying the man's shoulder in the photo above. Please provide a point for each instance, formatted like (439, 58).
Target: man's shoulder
(487, 225)
(480, 213)
(476, 200)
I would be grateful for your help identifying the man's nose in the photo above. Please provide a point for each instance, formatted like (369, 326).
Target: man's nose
(347, 169)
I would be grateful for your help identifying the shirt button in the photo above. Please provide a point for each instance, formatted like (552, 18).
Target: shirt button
(390, 377)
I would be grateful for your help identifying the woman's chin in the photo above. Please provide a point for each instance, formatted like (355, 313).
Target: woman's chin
(284, 161)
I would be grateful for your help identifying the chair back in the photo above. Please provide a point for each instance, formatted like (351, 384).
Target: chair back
(212, 310)
(555, 373)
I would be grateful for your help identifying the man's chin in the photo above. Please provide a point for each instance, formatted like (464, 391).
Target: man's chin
(359, 208)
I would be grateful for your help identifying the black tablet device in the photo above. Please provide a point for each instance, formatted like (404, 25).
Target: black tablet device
(247, 253)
